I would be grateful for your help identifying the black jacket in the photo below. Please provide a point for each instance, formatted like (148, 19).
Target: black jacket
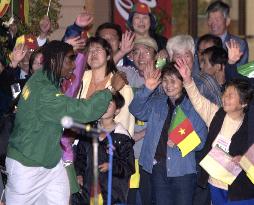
(123, 167)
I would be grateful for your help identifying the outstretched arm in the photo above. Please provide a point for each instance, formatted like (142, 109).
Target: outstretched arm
(203, 106)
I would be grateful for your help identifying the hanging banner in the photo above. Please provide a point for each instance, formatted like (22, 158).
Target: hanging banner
(162, 9)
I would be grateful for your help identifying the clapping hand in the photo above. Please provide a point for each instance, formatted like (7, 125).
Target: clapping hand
(234, 52)
(184, 70)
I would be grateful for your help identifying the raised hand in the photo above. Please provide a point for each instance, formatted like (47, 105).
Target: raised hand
(127, 42)
(18, 54)
(151, 76)
(84, 19)
(77, 43)
(234, 52)
(184, 70)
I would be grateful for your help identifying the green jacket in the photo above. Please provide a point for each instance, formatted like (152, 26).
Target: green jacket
(35, 140)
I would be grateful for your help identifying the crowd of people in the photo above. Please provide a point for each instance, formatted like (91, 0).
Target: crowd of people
(143, 90)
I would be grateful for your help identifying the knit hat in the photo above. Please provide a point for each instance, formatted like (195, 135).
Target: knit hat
(144, 9)
(147, 41)
(29, 40)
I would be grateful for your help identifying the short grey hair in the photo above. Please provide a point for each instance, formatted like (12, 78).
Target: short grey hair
(218, 6)
(180, 44)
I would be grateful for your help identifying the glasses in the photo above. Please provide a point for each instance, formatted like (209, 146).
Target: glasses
(144, 53)
(95, 51)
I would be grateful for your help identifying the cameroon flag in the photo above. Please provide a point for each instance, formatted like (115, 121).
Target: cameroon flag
(21, 9)
(4, 5)
(181, 132)
(247, 163)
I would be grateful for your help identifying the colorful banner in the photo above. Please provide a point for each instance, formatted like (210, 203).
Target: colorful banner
(181, 132)
(162, 9)
(4, 5)
(219, 165)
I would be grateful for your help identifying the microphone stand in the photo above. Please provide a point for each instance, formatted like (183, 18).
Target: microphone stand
(95, 167)
(110, 168)
(68, 122)
(95, 144)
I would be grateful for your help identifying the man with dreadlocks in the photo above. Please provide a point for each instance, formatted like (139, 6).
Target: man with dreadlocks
(36, 172)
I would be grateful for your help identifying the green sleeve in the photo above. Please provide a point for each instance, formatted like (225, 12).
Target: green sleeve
(52, 107)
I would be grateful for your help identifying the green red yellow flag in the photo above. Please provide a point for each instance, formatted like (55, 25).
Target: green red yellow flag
(181, 132)
(4, 5)
(21, 9)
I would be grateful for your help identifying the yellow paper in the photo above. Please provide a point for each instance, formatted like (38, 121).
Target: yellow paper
(189, 143)
(135, 178)
(248, 167)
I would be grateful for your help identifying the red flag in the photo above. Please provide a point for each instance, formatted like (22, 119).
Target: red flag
(181, 131)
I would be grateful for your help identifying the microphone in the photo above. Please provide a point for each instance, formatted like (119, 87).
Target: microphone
(67, 122)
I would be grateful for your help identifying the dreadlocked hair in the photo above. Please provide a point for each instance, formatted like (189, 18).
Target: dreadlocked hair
(53, 55)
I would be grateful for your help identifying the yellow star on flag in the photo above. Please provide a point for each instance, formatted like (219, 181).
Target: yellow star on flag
(181, 131)
(30, 40)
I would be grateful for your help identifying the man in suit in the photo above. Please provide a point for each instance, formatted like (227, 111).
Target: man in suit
(218, 21)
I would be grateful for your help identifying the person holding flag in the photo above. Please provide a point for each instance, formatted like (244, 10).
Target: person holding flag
(174, 132)
(228, 132)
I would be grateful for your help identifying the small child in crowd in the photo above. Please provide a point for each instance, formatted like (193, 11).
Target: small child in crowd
(123, 154)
